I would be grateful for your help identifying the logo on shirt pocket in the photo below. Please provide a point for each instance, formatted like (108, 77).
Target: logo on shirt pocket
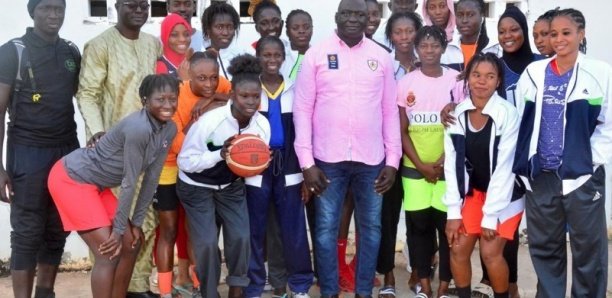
(373, 64)
(332, 61)
(410, 99)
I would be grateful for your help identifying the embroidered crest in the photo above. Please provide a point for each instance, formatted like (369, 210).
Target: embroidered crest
(373, 64)
(70, 65)
(410, 99)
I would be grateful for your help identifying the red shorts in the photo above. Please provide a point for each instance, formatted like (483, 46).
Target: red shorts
(472, 217)
(81, 206)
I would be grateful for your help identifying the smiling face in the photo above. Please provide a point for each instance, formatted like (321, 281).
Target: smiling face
(565, 36)
(204, 78)
(271, 58)
(132, 13)
(541, 37)
(351, 19)
(468, 18)
(438, 12)
(373, 19)
(180, 39)
(49, 16)
(483, 80)
(184, 8)
(299, 31)
(246, 97)
(269, 22)
(403, 31)
(510, 35)
(221, 31)
(161, 104)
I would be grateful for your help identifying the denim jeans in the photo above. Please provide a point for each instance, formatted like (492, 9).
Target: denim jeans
(368, 204)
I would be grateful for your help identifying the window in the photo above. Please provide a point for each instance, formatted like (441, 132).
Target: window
(104, 10)
(243, 10)
(159, 8)
(488, 10)
(97, 8)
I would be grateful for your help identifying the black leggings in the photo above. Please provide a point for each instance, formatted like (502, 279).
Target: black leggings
(391, 208)
(423, 225)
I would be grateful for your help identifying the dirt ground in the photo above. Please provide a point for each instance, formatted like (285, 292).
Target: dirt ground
(77, 284)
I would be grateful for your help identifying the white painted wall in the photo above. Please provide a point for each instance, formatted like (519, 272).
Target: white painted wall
(14, 18)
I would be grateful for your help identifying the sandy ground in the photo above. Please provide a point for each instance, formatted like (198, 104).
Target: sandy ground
(77, 284)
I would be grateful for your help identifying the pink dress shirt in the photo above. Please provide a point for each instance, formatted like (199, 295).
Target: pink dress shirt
(345, 105)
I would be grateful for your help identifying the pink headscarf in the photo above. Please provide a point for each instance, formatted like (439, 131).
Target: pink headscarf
(450, 25)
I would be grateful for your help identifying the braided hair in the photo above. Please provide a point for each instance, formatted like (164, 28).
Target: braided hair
(431, 31)
(578, 18)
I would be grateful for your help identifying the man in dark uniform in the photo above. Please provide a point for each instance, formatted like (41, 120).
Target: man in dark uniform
(38, 78)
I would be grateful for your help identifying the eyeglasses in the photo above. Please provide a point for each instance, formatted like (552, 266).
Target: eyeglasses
(144, 5)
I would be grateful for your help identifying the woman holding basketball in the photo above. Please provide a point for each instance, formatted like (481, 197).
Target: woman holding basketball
(280, 184)
(208, 189)
(479, 152)
(199, 89)
(81, 182)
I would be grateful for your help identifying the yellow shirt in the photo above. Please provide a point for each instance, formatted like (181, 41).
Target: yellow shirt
(112, 69)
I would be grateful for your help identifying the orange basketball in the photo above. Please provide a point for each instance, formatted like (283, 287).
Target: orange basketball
(248, 155)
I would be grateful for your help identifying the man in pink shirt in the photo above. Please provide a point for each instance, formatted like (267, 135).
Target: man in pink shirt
(347, 134)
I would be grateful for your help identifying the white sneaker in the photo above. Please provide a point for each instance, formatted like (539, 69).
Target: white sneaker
(482, 291)
(299, 295)
(267, 286)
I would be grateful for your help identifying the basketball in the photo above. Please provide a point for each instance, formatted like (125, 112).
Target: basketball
(248, 155)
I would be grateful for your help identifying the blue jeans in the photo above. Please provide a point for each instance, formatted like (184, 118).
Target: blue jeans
(368, 205)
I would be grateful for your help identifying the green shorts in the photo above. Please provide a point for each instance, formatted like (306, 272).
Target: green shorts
(420, 194)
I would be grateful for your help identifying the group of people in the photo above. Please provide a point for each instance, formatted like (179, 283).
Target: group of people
(424, 114)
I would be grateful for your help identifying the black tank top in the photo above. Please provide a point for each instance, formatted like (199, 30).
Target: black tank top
(477, 154)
